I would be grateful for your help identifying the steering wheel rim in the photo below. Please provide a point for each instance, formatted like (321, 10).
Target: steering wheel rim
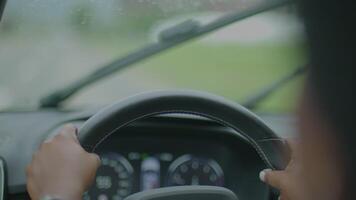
(122, 113)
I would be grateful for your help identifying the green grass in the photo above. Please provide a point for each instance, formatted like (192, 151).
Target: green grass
(234, 70)
(231, 70)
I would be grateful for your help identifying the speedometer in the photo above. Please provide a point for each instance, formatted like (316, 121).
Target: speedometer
(190, 170)
(113, 179)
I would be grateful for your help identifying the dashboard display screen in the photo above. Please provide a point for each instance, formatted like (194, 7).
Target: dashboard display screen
(122, 175)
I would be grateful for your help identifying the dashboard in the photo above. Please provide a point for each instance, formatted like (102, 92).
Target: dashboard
(155, 152)
(144, 156)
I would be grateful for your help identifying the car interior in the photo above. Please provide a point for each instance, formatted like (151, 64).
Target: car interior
(157, 144)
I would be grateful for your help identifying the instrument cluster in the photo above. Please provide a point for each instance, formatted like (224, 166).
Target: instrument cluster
(164, 152)
(121, 175)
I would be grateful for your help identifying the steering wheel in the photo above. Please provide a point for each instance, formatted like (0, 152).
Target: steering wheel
(230, 114)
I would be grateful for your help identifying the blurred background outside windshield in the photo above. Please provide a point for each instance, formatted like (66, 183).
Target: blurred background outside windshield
(47, 44)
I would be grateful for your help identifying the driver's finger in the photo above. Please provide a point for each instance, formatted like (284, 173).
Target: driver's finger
(70, 131)
(276, 179)
(95, 159)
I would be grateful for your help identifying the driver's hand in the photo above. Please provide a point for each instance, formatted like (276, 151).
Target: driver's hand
(285, 181)
(61, 168)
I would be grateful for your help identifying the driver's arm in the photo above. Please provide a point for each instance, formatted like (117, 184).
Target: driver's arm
(61, 168)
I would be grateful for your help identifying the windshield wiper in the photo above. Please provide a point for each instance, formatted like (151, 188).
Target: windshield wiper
(168, 38)
(254, 100)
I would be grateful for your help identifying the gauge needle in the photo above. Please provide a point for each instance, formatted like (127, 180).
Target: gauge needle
(195, 180)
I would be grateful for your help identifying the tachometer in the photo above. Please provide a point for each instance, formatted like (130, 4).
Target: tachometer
(113, 179)
(190, 170)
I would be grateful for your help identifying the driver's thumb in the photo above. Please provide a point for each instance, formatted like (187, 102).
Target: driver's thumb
(276, 179)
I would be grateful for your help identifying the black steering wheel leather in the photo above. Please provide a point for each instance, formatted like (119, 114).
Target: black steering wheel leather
(109, 120)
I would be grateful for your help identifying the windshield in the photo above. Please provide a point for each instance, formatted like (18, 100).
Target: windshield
(47, 44)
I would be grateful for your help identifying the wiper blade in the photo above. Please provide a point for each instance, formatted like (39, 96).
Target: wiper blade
(168, 38)
(179, 31)
(253, 101)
